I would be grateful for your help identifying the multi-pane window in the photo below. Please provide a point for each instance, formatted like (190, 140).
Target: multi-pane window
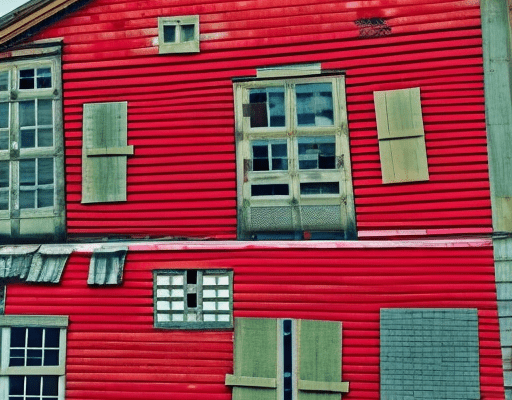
(193, 299)
(294, 177)
(178, 34)
(31, 150)
(32, 364)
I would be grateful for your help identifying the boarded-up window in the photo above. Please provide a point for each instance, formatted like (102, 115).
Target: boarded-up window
(402, 148)
(287, 359)
(104, 152)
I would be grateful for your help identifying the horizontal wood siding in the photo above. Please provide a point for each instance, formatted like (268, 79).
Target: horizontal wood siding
(115, 353)
(181, 179)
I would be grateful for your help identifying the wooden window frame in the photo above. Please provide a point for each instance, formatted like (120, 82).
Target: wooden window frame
(179, 46)
(193, 288)
(31, 321)
(47, 223)
(291, 132)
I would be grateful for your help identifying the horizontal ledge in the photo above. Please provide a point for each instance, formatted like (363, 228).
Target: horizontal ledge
(47, 321)
(250, 381)
(314, 386)
(109, 151)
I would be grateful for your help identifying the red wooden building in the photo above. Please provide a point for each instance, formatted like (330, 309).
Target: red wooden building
(247, 200)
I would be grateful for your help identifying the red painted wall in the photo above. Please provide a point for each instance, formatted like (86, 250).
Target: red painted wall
(181, 180)
(115, 353)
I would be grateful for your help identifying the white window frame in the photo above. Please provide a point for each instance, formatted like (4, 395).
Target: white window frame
(31, 321)
(179, 46)
(199, 290)
(46, 223)
(294, 176)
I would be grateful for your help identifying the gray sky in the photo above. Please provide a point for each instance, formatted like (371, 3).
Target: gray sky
(9, 5)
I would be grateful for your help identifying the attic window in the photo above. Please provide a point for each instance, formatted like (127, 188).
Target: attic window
(178, 34)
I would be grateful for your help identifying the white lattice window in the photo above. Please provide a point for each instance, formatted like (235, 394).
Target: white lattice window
(193, 299)
(294, 177)
(32, 357)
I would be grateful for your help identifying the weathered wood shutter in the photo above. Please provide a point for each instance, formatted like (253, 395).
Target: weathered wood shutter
(255, 360)
(319, 360)
(104, 152)
(403, 154)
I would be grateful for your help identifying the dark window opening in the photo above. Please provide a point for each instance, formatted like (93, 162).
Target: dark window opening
(269, 190)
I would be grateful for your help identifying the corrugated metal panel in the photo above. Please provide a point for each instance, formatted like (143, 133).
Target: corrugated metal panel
(115, 353)
(181, 180)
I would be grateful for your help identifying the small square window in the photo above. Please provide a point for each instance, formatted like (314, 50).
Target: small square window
(178, 34)
(193, 299)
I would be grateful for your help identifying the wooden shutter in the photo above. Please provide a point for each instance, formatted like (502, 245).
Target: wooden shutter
(319, 360)
(403, 154)
(255, 360)
(104, 152)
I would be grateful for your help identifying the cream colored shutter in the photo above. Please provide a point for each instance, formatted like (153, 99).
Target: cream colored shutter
(403, 154)
(255, 359)
(104, 152)
(319, 360)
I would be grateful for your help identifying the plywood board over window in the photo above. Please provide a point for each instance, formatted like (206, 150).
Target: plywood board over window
(402, 149)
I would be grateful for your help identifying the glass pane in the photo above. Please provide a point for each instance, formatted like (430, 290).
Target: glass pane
(33, 385)
(269, 190)
(44, 198)
(44, 78)
(314, 104)
(4, 139)
(45, 171)
(18, 337)
(27, 79)
(4, 200)
(51, 337)
(28, 138)
(27, 199)
(45, 137)
(279, 157)
(4, 81)
(50, 385)
(16, 385)
(51, 357)
(27, 113)
(267, 107)
(35, 337)
(28, 172)
(260, 157)
(276, 107)
(4, 183)
(169, 33)
(192, 300)
(4, 115)
(44, 112)
(317, 153)
(34, 357)
(320, 188)
(287, 359)
(187, 33)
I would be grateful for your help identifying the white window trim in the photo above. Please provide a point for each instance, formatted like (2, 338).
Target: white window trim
(191, 46)
(45, 222)
(199, 290)
(30, 321)
(291, 132)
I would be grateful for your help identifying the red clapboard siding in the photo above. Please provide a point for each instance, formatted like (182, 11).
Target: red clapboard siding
(115, 353)
(181, 179)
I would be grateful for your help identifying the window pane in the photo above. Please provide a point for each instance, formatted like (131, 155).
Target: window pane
(317, 153)
(269, 190)
(45, 171)
(44, 78)
(44, 112)
(27, 113)
(16, 385)
(269, 155)
(4, 139)
(28, 138)
(4, 200)
(4, 81)
(27, 199)
(34, 357)
(4, 174)
(28, 172)
(4, 115)
(267, 107)
(260, 156)
(35, 337)
(314, 104)
(45, 137)
(27, 79)
(18, 337)
(33, 385)
(279, 157)
(51, 357)
(187, 33)
(169, 33)
(50, 385)
(320, 188)
(51, 337)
